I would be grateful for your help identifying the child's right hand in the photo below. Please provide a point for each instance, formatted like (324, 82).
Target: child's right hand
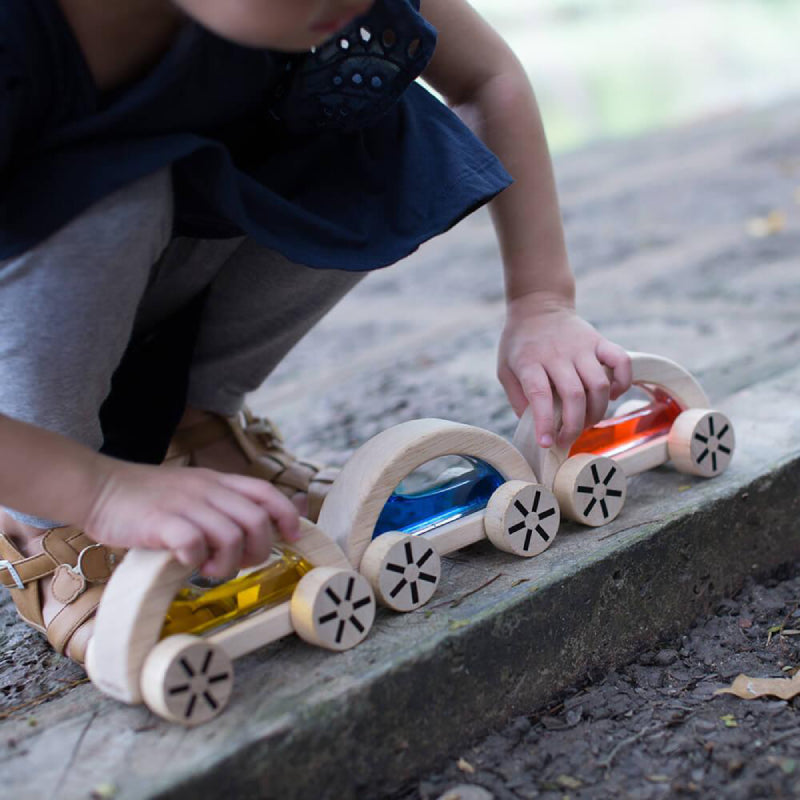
(210, 520)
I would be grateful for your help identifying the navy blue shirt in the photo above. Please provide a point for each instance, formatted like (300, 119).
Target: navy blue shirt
(336, 158)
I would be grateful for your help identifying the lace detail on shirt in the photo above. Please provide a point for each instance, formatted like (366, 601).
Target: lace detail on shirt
(351, 80)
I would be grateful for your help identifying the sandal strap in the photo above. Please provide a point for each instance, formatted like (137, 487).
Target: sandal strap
(67, 621)
(195, 437)
(262, 444)
(60, 546)
(318, 490)
(80, 566)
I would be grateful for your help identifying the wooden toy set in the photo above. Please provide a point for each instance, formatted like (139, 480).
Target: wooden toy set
(409, 496)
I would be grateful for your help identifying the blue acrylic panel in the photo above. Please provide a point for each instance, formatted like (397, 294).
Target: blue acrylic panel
(444, 499)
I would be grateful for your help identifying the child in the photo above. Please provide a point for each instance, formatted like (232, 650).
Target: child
(267, 153)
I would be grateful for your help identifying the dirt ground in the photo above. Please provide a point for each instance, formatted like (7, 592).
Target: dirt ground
(654, 729)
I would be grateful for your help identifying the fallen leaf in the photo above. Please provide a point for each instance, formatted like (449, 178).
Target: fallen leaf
(568, 782)
(749, 688)
(774, 222)
(745, 623)
(730, 721)
(773, 630)
(465, 766)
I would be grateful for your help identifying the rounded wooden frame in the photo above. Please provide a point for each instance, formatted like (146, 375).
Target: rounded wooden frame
(358, 495)
(136, 599)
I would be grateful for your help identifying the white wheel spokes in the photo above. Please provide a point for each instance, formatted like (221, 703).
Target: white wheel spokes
(415, 573)
(712, 443)
(344, 610)
(199, 681)
(602, 487)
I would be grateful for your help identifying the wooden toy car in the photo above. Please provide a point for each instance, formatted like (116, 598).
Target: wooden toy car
(395, 533)
(675, 423)
(166, 639)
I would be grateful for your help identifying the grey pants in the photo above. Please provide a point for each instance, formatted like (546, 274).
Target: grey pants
(70, 306)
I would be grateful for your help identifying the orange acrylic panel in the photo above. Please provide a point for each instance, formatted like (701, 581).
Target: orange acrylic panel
(617, 435)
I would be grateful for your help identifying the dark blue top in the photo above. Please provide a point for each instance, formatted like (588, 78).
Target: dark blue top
(335, 158)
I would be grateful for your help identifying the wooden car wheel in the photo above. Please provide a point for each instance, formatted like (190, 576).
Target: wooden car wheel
(522, 518)
(701, 442)
(187, 679)
(590, 489)
(333, 608)
(404, 570)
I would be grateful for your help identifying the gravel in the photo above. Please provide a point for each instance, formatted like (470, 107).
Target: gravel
(654, 728)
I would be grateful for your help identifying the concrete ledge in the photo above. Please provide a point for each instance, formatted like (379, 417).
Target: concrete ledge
(501, 636)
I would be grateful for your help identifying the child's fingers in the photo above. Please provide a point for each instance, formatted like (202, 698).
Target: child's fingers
(252, 518)
(598, 387)
(183, 539)
(224, 538)
(536, 386)
(513, 390)
(571, 391)
(281, 509)
(619, 361)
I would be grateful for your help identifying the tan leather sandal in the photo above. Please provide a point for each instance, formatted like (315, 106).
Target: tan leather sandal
(261, 443)
(79, 568)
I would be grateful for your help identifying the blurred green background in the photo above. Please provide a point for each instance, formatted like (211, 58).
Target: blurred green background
(610, 68)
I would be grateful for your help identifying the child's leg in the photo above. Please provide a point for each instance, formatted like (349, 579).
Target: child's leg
(68, 307)
(257, 308)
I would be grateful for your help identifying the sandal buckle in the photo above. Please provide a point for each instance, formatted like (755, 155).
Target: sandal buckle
(261, 426)
(78, 568)
(13, 572)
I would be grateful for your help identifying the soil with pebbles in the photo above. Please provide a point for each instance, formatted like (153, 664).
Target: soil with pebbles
(654, 729)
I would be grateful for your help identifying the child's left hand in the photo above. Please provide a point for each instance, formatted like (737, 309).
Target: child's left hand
(546, 346)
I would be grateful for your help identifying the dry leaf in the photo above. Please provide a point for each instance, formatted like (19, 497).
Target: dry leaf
(773, 630)
(774, 222)
(465, 766)
(749, 688)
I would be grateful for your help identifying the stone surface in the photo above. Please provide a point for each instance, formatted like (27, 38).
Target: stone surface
(659, 240)
(654, 730)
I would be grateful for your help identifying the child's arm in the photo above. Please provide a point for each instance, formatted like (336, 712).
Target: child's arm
(545, 343)
(205, 518)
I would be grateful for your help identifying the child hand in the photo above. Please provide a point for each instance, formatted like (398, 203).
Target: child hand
(210, 520)
(545, 346)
